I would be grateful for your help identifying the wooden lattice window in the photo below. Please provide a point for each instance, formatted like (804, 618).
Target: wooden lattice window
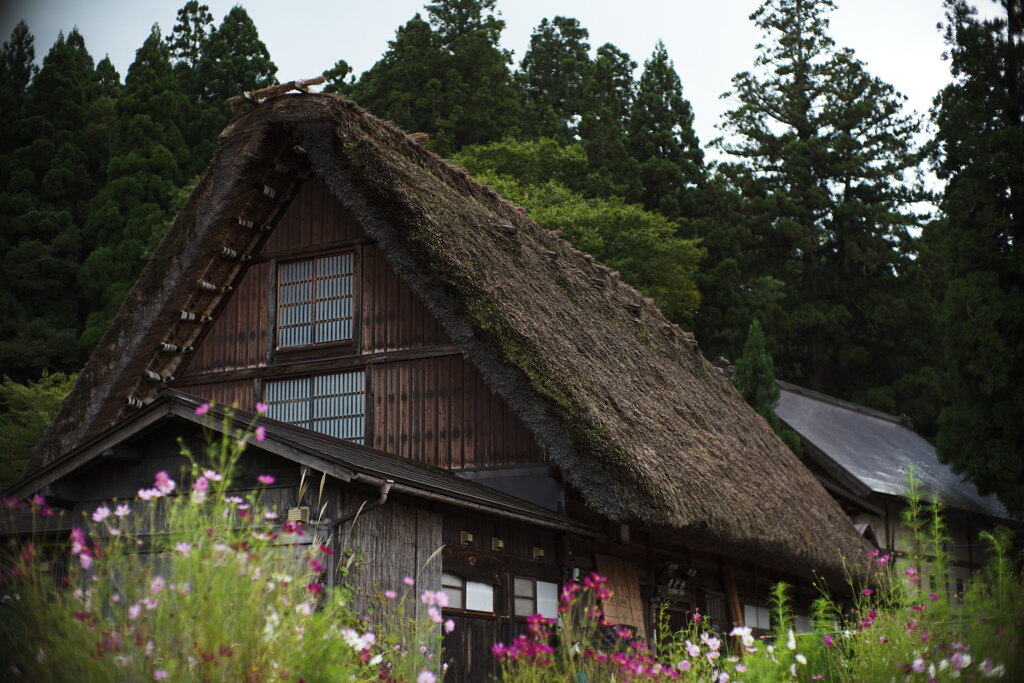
(329, 404)
(314, 300)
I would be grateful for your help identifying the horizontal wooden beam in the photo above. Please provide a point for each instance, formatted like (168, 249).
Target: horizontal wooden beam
(306, 367)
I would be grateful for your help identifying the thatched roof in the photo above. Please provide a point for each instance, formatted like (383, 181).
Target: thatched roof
(621, 400)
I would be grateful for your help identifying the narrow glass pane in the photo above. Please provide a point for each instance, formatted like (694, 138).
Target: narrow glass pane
(547, 599)
(455, 597)
(479, 596)
(524, 587)
(524, 607)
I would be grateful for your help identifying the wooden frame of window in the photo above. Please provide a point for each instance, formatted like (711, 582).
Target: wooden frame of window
(469, 596)
(334, 404)
(315, 301)
(534, 596)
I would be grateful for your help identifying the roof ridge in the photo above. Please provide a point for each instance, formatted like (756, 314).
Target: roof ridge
(842, 403)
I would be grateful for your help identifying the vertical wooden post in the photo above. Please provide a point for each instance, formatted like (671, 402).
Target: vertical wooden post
(732, 597)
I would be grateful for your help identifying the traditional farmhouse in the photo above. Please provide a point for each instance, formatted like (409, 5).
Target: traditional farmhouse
(864, 458)
(484, 387)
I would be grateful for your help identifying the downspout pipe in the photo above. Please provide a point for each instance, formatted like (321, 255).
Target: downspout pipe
(384, 487)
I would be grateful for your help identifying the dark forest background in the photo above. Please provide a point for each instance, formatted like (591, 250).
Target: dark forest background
(812, 249)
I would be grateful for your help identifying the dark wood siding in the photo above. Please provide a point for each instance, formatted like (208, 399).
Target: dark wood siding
(238, 338)
(392, 316)
(440, 412)
(433, 407)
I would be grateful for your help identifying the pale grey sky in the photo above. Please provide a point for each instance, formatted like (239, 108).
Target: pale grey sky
(709, 40)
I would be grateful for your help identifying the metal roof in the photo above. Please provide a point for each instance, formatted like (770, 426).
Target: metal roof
(876, 449)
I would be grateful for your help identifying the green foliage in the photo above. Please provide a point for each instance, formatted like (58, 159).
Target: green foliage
(754, 376)
(640, 244)
(130, 213)
(26, 410)
(206, 585)
(978, 151)
(602, 129)
(824, 168)
(662, 140)
(65, 116)
(447, 77)
(552, 78)
(232, 59)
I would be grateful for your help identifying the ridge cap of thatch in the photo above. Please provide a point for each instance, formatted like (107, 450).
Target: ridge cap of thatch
(620, 398)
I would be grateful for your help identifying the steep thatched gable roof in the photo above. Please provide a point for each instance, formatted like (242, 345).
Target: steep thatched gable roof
(621, 400)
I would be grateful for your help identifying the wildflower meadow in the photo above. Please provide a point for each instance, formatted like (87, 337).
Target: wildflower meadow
(204, 582)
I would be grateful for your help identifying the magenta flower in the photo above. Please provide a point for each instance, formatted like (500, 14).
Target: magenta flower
(262, 407)
(697, 618)
(265, 479)
(868, 591)
(828, 642)
(315, 565)
(9, 503)
(883, 560)
(933, 596)
(203, 409)
(874, 552)
(160, 675)
(261, 433)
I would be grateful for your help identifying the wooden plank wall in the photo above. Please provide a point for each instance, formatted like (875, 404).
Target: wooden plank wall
(391, 542)
(436, 410)
(439, 411)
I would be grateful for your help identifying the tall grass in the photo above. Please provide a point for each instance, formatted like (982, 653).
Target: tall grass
(198, 581)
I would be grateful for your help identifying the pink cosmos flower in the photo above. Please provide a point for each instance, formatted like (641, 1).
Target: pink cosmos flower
(426, 677)
(261, 433)
(265, 479)
(683, 665)
(163, 482)
(101, 513)
(262, 407)
(203, 409)
(157, 584)
(159, 675)
(918, 665)
(122, 510)
(449, 626)
(211, 475)
(183, 548)
(85, 557)
(434, 614)
(270, 514)
(7, 503)
(883, 560)
(201, 485)
(874, 552)
(77, 541)
(315, 565)
(149, 494)
(390, 595)
(408, 581)
(933, 596)
(912, 574)
(133, 611)
(697, 618)
(867, 591)
(828, 642)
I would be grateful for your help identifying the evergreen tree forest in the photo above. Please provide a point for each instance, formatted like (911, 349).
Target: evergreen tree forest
(807, 247)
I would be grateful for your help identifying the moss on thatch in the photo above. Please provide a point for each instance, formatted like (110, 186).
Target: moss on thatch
(620, 399)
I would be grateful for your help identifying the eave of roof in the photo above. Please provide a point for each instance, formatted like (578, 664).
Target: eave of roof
(342, 460)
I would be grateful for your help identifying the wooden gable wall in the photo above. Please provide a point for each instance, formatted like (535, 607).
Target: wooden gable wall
(425, 402)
